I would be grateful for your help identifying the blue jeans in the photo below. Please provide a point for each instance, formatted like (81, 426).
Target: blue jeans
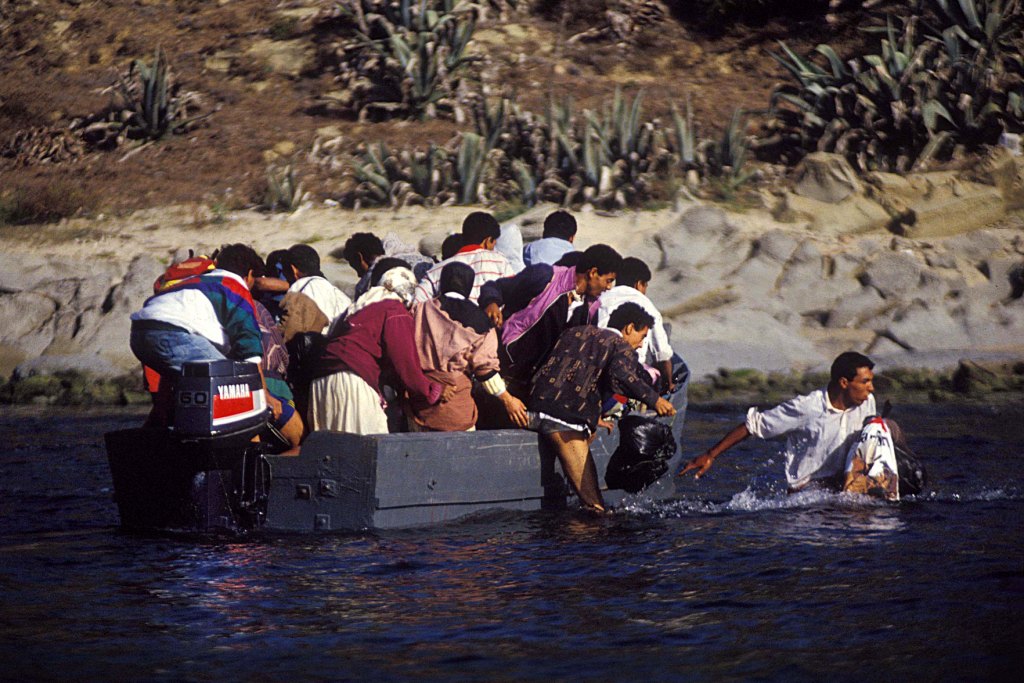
(166, 350)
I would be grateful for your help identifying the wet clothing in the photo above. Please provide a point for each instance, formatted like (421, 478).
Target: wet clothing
(546, 250)
(215, 308)
(587, 362)
(656, 347)
(486, 264)
(818, 435)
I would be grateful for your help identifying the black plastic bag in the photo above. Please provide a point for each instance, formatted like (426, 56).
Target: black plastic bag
(645, 448)
(913, 476)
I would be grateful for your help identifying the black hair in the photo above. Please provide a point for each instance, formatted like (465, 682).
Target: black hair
(560, 224)
(602, 257)
(847, 363)
(478, 226)
(456, 277)
(630, 312)
(279, 266)
(570, 259)
(240, 259)
(384, 265)
(451, 245)
(365, 243)
(632, 272)
(305, 259)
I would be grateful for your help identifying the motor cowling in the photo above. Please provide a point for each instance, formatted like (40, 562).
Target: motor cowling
(219, 404)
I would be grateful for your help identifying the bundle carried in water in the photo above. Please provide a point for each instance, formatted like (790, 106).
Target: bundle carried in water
(645, 448)
(913, 476)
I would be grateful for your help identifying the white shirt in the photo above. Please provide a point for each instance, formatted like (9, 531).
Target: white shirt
(656, 347)
(328, 298)
(818, 435)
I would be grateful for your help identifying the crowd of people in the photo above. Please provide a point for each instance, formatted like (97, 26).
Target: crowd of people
(544, 337)
(536, 338)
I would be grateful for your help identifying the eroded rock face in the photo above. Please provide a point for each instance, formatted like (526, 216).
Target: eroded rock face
(71, 315)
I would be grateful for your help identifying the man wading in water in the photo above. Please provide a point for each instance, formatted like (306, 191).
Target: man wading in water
(819, 427)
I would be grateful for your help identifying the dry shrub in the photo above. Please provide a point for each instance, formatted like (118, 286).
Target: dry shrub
(40, 200)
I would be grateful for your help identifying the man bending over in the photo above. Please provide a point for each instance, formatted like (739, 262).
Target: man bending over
(565, 397)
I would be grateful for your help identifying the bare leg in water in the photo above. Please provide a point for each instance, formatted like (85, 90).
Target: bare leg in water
(573, 450)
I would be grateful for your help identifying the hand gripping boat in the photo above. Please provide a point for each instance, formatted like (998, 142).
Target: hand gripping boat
(206, 474)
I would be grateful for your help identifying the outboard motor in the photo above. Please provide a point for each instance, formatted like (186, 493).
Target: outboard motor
(219, 405)
(204, 472)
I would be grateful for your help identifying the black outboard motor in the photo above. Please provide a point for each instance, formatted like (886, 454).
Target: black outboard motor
(204, 472)
(219, 405)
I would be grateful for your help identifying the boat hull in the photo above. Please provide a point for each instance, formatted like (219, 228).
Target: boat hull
(347, 482)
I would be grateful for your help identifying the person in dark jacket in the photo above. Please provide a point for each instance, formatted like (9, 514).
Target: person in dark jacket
(565, 396)
(536, 305)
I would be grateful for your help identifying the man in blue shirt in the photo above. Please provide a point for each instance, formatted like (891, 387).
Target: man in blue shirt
(559, 235)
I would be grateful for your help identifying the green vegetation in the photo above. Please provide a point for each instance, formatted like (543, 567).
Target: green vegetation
(284, 190)
(400, 58)
(609, 158)
(157, 105)
(943, 83)
(73, 388)
(969, 381)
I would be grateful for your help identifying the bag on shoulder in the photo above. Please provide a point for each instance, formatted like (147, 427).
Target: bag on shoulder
(194, 265)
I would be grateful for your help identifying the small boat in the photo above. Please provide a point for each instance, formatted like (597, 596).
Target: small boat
(205, 474)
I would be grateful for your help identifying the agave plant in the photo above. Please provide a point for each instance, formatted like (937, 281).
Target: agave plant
(158, 107)
(284, 190)
(929, 90)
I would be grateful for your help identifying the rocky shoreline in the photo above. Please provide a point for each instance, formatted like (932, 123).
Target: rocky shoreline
(781, 287)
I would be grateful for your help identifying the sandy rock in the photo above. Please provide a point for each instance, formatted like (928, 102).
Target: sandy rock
(993, 325)
(827, 178)
(1006, 277)
(700, 232)
(975, 246)
(759, 277)
(853, 309)
(740, 338)
(854, 215)
(937, 204)
(894, 274)
(923, 327)
(28, 329)
(776, 245)
(289, 58)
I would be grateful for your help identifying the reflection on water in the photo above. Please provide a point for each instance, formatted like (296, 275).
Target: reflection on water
(731, 579)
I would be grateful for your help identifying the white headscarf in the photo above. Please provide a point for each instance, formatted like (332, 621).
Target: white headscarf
(398, 284)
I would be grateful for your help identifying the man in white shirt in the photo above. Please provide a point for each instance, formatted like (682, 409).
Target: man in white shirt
(559, 235)
(819, 427)
(309, 280)
(480, 232)
(631, 284)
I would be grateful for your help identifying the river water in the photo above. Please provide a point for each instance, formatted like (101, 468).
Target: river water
(731, 580)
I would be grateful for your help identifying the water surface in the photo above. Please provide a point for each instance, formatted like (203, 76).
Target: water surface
(730, 580)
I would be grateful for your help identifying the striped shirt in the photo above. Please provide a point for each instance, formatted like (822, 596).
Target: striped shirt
(488, 265)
